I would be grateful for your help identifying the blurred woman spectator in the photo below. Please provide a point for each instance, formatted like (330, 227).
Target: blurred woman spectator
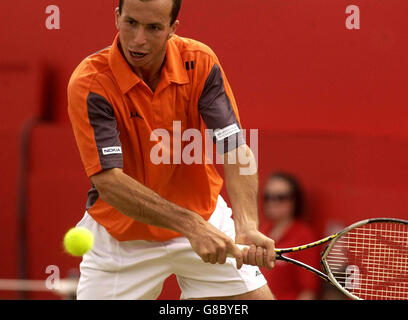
(283, 207)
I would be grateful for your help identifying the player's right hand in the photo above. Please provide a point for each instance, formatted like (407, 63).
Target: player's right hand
(213, 246)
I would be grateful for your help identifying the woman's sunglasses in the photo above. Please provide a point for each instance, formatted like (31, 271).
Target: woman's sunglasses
(277, 197)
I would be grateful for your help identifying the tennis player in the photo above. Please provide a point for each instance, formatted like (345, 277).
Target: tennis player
(151, 219)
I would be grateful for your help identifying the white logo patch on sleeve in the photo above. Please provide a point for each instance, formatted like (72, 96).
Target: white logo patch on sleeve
(111, 150)
(221, 134)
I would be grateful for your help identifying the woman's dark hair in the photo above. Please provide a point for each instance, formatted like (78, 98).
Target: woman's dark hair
(174, 12)
(297, 192)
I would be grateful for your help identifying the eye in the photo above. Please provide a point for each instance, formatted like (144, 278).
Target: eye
(154, 27)
(131, 22)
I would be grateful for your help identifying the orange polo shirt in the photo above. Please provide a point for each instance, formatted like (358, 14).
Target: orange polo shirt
(118, 122)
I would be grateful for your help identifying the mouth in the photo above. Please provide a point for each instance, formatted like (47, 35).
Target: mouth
(137, 54)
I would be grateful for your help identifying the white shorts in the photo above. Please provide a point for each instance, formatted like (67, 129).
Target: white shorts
(137, 269)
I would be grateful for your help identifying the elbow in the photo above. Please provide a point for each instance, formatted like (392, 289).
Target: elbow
(101, 187)
(104, 182)
(102, 190)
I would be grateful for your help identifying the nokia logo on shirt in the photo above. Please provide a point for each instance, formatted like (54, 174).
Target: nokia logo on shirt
(135, 114)
(111, 150)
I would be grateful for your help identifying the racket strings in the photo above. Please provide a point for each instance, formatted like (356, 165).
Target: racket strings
(371, 261)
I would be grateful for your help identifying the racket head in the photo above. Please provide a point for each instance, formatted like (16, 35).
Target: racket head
(369, 260)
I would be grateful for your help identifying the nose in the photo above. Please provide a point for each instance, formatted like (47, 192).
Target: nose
(139, 36)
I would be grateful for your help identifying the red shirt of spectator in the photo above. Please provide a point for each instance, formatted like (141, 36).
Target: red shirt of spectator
(283, 206)
(287, 281)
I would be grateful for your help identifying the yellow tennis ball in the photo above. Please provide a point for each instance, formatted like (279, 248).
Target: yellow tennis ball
(78, 241)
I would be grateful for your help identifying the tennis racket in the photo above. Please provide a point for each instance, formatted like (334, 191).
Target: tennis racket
(366, 261)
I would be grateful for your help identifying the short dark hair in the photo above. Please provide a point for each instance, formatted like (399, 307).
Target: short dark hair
(174, 12)
(296, 190)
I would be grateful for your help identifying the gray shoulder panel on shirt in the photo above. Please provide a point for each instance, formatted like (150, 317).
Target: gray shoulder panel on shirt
(103, 121)
(216, 110)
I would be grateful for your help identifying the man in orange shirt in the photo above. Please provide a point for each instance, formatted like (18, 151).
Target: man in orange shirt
(154, 208)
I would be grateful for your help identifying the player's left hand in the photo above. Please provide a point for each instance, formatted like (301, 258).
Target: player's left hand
(261, 251)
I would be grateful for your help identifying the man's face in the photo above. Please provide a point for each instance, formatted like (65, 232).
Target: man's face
(144, 29)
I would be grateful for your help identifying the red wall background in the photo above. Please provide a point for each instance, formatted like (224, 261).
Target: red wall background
(330, 105)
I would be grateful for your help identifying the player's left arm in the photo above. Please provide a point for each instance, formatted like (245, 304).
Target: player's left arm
(241, 179)
(218, 109)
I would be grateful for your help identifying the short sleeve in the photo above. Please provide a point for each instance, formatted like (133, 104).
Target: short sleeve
(94, 125)
(218, 110)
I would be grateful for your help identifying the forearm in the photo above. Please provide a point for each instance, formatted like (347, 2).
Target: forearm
(242, 190)
(142, 204)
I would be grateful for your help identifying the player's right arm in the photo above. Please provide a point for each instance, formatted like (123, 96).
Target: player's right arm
(143, 204)
(95, 129)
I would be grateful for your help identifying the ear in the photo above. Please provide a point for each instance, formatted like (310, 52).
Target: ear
(117, 16)
(174, 28)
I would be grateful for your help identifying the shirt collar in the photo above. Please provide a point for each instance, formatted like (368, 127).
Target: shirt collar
(121, 70)
(174, 67)
(173, 70)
